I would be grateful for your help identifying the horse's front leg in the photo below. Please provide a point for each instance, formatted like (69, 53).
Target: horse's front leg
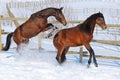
(91, 54)
(63, 57)
(94, 59)
(49, 26)
(59, 56)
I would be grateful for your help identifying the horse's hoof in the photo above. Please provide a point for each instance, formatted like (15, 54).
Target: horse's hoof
(56, 27)
(88, 65)
(96, 65)
(59, 60)
(49, 35)
(63, 58)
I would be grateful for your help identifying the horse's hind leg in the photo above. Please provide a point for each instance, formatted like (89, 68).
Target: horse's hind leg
(21, 43)
(63, 57)
(22, 46)
(25, 40)
(59, 54)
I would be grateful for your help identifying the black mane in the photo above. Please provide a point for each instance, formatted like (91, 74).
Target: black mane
(86, 25)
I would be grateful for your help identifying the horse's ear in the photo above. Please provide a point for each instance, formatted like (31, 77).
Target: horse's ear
(61, 8)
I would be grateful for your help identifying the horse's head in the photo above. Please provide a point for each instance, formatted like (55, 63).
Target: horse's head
(60, 17)
(101, 21)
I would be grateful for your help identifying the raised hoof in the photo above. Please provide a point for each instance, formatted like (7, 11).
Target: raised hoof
(56, 27)
(49, 35)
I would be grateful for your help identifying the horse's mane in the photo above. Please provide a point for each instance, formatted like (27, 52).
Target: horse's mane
(85, 26)
(43, 12)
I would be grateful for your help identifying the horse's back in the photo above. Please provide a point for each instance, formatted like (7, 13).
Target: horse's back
(69, 37)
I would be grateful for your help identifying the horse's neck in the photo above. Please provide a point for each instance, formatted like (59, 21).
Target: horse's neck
(89, 26)
(46, 13)
(92, 27)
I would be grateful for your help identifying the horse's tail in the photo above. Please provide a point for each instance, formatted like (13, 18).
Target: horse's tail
(8, 42)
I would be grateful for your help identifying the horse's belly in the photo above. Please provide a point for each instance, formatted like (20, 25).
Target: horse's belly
(30, 33)
(73, 43)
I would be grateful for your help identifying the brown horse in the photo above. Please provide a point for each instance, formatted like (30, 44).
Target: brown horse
(81, 34)
(34, 25)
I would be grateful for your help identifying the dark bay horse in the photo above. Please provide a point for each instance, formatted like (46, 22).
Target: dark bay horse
(81, 34)
(34, 25)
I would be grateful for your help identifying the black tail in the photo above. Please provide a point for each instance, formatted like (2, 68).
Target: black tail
(8, 42)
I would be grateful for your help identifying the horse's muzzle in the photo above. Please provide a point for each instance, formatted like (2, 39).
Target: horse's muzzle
(64, 23)
(105, 27)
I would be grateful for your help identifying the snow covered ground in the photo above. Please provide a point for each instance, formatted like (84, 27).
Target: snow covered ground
(42, 65)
